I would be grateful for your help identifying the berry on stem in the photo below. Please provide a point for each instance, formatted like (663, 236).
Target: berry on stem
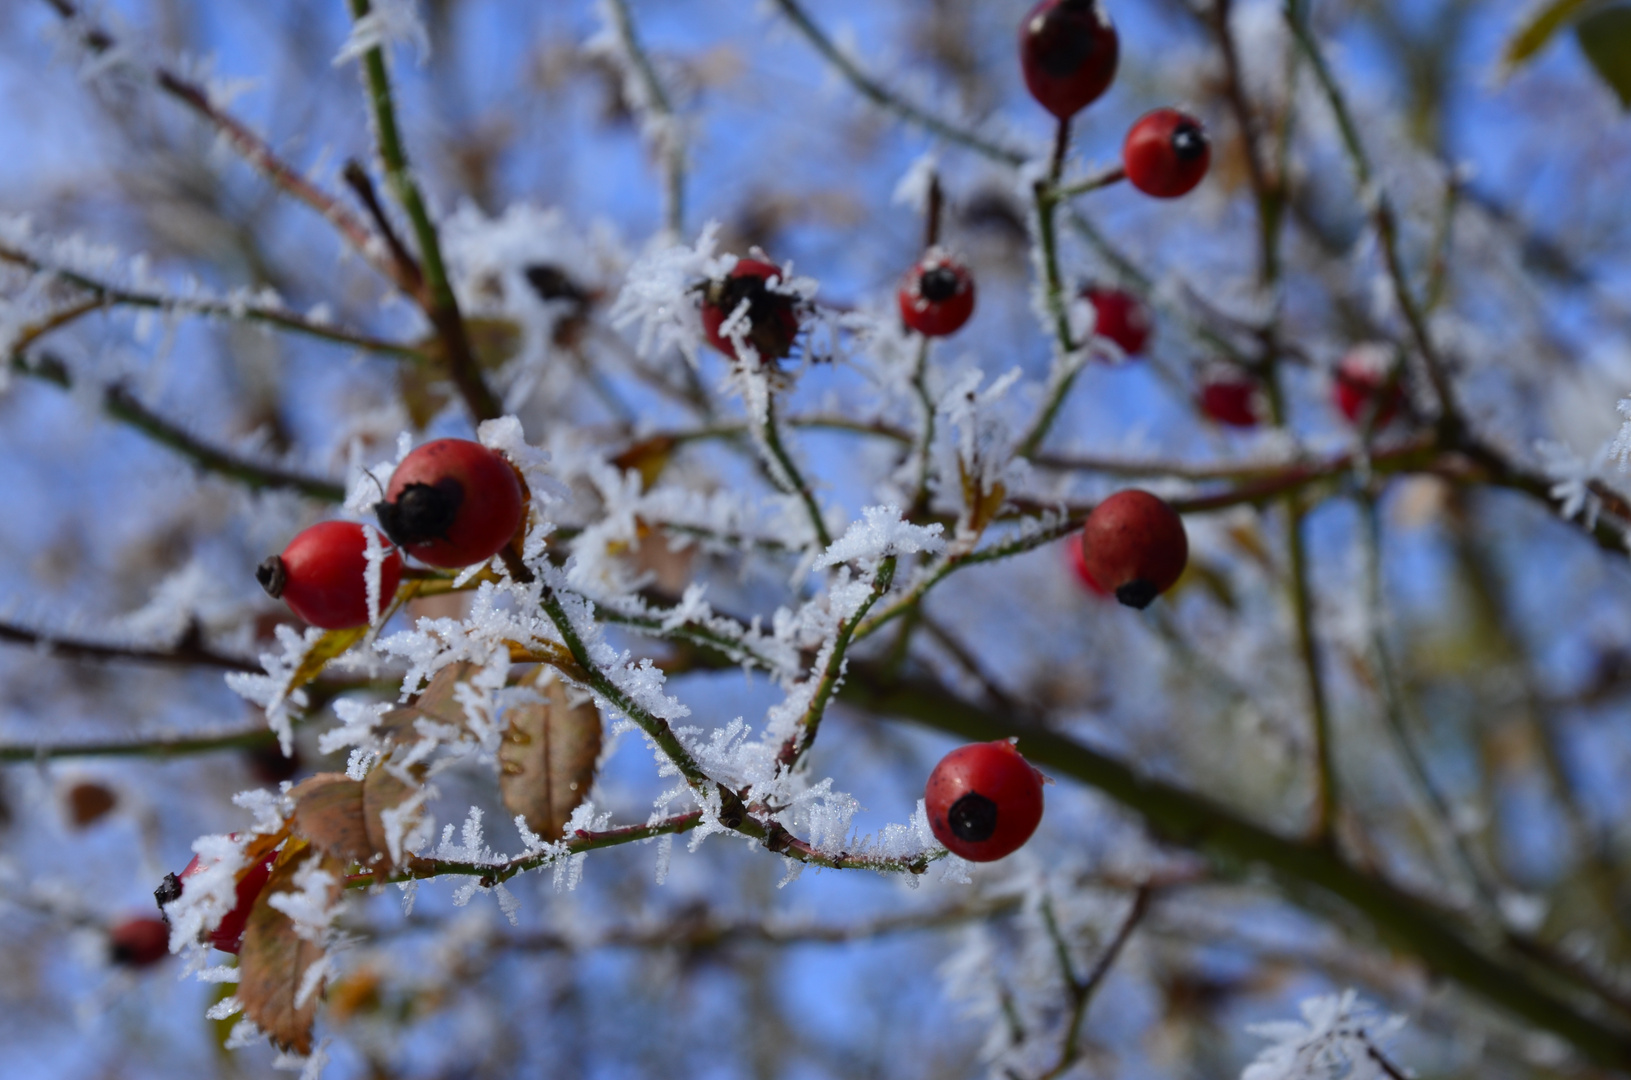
(937, 295)
(772, 317)
(1134, 544)
(984, 800)
(1119, 316)
(1067, 51)
(139, 942)
(1361, 384)
(323, 575)
(1166, 153)
(1232, 397)
(452, 502)
(228, 934)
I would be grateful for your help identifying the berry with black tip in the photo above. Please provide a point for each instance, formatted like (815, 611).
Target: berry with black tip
(452, 502)
(1166, 153)
(772, 321)
(984, 800)
(937, 295)
(1134, 544)
(1364, 384)
(1121, 317)
(323, 574)
(1232, 398)
(139, 942)
(229, 932)
(1068, 51)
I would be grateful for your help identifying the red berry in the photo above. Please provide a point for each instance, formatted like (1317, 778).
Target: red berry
(937, 295)
(229, 934)
(1068, 51)
(1121, 317)
(1360, 378)
(1078, 565)
(772, 317)
(139, 942)
(1134, 544)
(452, 502)
(1232, 398)
(1166, 153)
(984, 800)
(323, 574)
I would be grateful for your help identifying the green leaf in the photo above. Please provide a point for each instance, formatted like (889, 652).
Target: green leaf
(1605, 38)
(1540, 27)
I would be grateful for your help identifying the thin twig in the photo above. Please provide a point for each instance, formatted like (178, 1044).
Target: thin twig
(669, 146)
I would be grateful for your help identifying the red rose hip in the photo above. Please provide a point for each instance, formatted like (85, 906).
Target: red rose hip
(139, 942)
(984, 800)
(323, 575)
(452, 502)
(1361, 386)
(1166, 153)
(1078, 566)
(1231, 398)
(1120, 317)
(228, 934)
(937, 295)
(1067, 51)
(772, 317)
(1134, 544)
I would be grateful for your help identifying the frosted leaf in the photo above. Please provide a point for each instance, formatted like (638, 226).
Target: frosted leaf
(315, 902)
(272, 691)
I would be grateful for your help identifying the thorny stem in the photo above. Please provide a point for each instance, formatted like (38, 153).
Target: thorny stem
(832, 675)
(441, 306)
(253, 149)
(122, 405)
(104, 295)
(670, 146)
(876, 93)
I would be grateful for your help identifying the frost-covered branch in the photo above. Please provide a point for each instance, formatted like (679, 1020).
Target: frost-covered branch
(250, 146)
(651, 101)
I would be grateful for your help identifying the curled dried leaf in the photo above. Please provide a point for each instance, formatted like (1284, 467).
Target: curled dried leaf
(329, 814)
(275, 961)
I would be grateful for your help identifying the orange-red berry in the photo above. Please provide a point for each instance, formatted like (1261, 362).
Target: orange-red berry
(139, 942)
(772, 317)
(937, 295)
(984, 800)
(323, 574)
(1067, 51)
(1166, 153)
(452, 502)
(1134, 544)
(1120, 317)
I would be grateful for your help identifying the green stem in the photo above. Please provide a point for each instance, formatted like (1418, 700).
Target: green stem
(441, 306)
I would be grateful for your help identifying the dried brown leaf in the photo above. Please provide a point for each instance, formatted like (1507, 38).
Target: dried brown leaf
(329, 814)
(547, 760)
(274, 960)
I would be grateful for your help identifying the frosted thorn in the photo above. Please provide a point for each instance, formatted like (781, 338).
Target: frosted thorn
(272, 576)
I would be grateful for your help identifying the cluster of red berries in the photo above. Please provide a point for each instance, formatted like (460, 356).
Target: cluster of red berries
(451, 503)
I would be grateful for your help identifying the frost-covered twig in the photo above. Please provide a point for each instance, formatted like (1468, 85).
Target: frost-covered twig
(119, 403)
(1082, 990)
(1064, 349)
(189, 651)
(879, 95)
(832, 672)
(106, 294)
(785, 474)
(437, 299)
(1302, 609)
(250, 146)
(254, 738)
(662, 127)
